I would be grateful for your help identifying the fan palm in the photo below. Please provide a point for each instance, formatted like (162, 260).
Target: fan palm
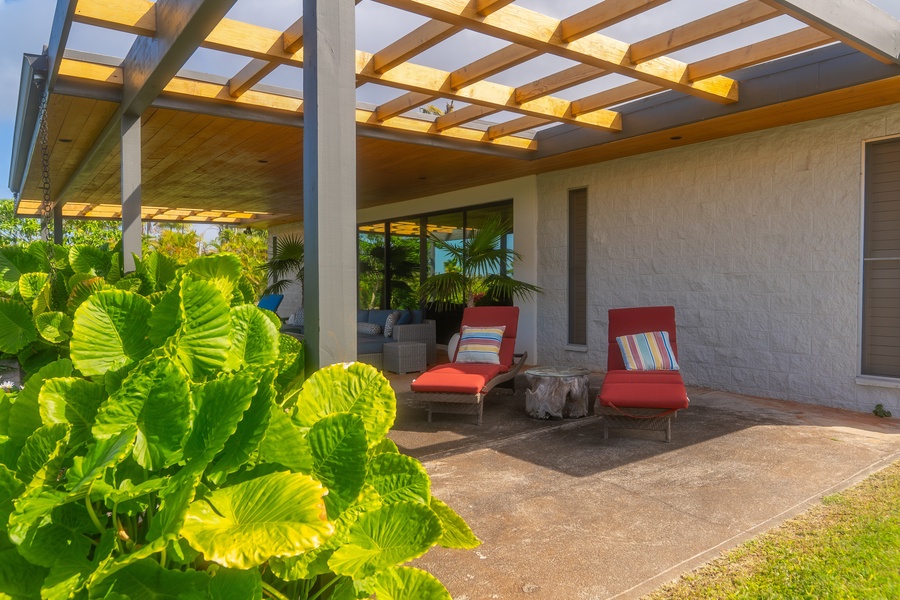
(481, 260)
(286, 266)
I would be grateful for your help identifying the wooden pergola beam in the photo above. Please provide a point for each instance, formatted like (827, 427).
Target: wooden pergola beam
(486, 7)
(538, 31)
(558, 81)
(776, 47)
(426, 80)
(857, 23)
(254, 71)
(514, 126)
(219, 94)
(613, 96)
(717, 24)
(602, 15)
(495, 62)
(464, 115)
(415, 42)
(151, 63)
(401, 104)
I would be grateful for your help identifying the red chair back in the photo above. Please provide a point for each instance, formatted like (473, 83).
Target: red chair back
(628, 321)
(493, 316)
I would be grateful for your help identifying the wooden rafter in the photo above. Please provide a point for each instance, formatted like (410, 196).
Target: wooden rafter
(426, 80)
(254, 71)
(415, 42)
(214, 92)
(603, 15)
(538, 31)
(776, 47)
(717, 24)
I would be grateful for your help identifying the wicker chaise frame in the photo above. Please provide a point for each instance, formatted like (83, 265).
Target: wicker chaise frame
(468, 404)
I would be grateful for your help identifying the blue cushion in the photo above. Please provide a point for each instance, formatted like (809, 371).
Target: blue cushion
(362, 316)
(370, 344)
(418, 316)
(379, 316)
(270, 301)
(405, 318)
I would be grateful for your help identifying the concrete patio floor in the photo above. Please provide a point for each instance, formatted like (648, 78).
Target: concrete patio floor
(563, 513)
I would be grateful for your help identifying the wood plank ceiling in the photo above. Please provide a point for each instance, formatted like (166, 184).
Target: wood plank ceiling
(201, 163)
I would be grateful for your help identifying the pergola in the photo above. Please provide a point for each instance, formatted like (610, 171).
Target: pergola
(140, 137)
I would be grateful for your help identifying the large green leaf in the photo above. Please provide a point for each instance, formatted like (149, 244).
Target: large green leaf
(110, 331)
(166, 316)
(254, 339)
(10, 488)
(224, 270)
(5, 408)
(25, 413)
(285, 444)
(16, 327)
(71, 400)
(158, 270)
(43, 453)
(19, 579)
(408, 583)
(339, 449)
(457, 533)
(234, 584)
(88, 259)
(43, 301)
(83, 289)
(398, 477)
(104, 453)
(30, 507)
(31, 284)
(62, 534)
(290, 361)
(54, 326)
(386, 537)
(201, 344)
(355, 388)
(155, 397)
(15, 261)
(249, 432)
(146, 580)
(221, 404)
(242, 526)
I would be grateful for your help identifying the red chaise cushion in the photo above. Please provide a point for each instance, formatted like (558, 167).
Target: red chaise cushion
(455, 378)
(644, 389)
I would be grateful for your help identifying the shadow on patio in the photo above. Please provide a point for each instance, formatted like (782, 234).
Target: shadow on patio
(564, 514)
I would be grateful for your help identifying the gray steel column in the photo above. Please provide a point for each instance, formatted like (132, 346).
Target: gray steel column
(131, 189)
(57, 225)
(329, 181)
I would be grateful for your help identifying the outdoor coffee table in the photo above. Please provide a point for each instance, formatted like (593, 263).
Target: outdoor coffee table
(557, 392)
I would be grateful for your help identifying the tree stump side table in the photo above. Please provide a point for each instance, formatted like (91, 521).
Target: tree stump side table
(557, 392)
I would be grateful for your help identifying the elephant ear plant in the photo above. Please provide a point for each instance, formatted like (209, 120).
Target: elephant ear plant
(179, 452)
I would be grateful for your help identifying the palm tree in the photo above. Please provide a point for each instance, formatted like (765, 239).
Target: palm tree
(481, 261)
(286, 266)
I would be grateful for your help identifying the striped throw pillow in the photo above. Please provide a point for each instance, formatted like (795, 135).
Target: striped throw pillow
(647, 352)
(480, 345)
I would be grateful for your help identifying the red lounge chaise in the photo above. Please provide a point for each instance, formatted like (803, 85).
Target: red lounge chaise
(460, 388)
(640, 399)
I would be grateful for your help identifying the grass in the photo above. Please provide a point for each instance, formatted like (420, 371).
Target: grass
(846, 547)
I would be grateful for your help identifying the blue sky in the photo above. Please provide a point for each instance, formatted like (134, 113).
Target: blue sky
(25, 27)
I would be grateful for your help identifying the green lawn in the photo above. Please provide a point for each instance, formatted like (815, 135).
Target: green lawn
(846, 547)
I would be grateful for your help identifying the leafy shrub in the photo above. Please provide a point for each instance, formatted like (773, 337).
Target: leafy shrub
(175, 449)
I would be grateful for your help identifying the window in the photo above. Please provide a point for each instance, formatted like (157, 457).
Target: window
(881, 261)
(578, 267)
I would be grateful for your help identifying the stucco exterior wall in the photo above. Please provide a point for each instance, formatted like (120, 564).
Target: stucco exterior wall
(755, 240)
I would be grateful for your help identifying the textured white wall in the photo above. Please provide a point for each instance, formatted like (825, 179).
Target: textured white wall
(755, 240)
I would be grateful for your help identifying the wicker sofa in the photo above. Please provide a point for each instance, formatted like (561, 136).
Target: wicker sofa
(411, 327)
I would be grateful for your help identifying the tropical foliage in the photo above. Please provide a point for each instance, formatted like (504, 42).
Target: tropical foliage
(15, 230)
(480, 263)
(175, 449)
(403, 267)
(285, 267)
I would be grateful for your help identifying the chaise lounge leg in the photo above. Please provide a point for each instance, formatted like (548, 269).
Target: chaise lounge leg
(480, 410)
(668, 429)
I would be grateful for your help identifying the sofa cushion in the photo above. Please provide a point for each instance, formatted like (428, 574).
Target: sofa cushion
(370, 344)
(362, 316)
(368, 328)
(379, 316)
(405, 318)
(390, 322)
(455, 378)
(644, 389)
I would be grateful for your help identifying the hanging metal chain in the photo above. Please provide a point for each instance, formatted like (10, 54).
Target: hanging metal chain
(43, 139)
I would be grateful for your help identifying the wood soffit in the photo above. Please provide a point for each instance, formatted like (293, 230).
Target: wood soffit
(498, 132)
